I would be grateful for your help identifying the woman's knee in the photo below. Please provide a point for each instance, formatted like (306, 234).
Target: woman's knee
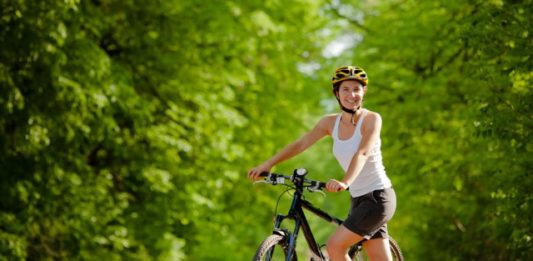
(337, 245)
(334, 244)
(339, 242)
(335, 249)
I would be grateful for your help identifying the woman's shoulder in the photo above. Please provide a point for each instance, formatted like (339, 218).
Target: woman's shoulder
(328, 121)
(372, 115)
(332, 116)
(372, 118)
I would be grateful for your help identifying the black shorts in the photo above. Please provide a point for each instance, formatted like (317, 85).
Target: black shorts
(370, 213)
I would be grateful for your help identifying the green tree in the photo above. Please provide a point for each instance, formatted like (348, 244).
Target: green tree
(126, 126)
(451, 80)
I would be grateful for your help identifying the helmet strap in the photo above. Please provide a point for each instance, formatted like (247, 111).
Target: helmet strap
(348, 110)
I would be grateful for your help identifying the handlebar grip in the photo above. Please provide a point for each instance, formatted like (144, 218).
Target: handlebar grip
(264, 174)
(322, 185)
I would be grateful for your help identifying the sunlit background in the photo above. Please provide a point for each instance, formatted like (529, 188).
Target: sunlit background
(127, 127)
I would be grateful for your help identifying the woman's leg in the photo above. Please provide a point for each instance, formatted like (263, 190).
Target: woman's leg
(339, 243)
(378, 249)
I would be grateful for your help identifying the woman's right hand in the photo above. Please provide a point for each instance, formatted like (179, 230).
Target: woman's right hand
(254, 173)
(334, 185)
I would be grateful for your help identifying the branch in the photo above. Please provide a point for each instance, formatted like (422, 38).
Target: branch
(156, 95)
(336, 11)
(452, 58)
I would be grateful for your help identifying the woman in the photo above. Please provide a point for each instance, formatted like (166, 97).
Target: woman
(357, 147)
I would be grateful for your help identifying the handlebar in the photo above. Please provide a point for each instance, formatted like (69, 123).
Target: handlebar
(297, 179)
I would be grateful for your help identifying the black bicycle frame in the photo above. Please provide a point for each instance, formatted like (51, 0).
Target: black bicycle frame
(296, 213)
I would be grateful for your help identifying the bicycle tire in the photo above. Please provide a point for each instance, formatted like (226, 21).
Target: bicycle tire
(277, 244)
(394, 248)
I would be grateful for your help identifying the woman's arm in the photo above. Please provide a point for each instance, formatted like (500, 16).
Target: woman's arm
(370, 135)
(320, 130)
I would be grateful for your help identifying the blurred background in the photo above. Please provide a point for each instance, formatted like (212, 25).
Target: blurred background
(127, 127)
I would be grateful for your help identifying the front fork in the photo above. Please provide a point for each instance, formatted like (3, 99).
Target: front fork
(289, 238)
(291, 244)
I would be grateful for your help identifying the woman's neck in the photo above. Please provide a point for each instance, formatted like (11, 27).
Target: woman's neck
(350, 118)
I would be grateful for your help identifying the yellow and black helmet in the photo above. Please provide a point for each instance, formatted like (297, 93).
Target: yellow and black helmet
(349, 73)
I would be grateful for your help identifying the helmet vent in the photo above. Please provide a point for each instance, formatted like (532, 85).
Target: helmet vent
(349, 72)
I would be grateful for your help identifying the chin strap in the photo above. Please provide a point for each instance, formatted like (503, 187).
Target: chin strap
(348, 110)
(352, 112)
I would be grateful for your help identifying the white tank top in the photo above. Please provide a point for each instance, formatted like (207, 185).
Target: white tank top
(373, 175)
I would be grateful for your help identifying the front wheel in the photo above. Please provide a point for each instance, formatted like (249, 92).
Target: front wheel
(274, 247)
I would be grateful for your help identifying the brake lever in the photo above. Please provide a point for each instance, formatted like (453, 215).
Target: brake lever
(261, 181)
(312, 189)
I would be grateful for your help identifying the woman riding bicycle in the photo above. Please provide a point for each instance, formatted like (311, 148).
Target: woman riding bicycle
(357, 147)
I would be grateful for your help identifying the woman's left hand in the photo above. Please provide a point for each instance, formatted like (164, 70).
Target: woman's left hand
(334, 185)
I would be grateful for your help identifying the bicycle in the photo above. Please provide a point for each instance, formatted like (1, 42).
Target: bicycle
(281, 245)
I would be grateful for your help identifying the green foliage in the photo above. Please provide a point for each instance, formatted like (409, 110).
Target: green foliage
(450, 81)
(127, 127)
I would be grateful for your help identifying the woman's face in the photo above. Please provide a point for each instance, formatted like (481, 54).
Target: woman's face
(351, 94)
